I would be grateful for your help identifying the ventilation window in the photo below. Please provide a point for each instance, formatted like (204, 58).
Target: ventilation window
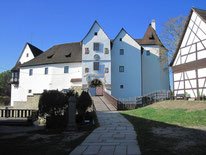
(50, 56)
(151, 37)
(95, 33)
(68, 55)
(120, 39)
(29, 91)
(121, 86)
(27, 55)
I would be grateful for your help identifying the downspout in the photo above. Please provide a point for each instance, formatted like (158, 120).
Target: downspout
(142, 52)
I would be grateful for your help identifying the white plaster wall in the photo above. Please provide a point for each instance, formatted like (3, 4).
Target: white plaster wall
(154, 76)
(38, 82)
(131, 60)
(104, 59)
(192, 37)
(24, 57)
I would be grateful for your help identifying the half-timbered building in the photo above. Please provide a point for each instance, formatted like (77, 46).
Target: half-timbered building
(189, 61)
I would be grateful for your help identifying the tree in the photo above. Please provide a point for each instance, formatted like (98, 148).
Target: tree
(52, 103)
(5, 88)
(171, 33)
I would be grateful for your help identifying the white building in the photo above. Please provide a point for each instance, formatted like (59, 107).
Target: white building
(124, 66)
(189, 61)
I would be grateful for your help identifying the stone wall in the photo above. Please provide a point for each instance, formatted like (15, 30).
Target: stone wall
(31, 103)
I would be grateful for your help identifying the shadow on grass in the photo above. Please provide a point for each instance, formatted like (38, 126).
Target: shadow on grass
(162, 138)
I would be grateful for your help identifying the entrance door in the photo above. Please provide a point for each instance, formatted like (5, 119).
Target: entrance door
(99, 91)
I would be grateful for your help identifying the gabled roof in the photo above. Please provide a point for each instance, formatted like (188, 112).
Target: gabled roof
(150, 37)
(35, 51)
(95, 22)
(202, 15)
(126, 33)
(63, 53)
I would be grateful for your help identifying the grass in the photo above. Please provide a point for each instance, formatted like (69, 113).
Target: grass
(172, 116)
(170, 127)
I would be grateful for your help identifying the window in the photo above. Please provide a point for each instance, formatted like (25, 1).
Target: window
(30, 72)
(68, 55)
(106, 51)
(86, 50)
(96, 47)
(95, 33)
(46, 71)
(121, 86)
(121, 51)
(120, 39)
(151, 37)
(148, 53)
(86, 70)
(29, 91)
(66, 69)
(16, 74)
(96, 65)
(121, 68)
(27, 55)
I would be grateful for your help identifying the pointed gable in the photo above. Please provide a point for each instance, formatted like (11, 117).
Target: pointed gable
(94, 27)
(28, 53)
(123, 33)
(150, 37)
(194, 33)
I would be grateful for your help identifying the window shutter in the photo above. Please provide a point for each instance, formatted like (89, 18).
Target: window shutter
(106, 70)
(86, 50)
(106, 50)
(86, 70)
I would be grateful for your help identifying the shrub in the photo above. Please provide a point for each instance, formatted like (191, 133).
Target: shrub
(53, 105)
(72, 92)
(83, 104)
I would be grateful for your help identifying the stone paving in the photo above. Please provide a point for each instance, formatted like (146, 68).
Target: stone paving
(115, 136)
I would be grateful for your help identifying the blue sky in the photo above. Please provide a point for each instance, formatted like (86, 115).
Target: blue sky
(45, 23)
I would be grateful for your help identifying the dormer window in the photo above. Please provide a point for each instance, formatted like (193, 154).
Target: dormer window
(68, 55)
(95, 33)
(120, 39)
(96, 46)
(50, 56)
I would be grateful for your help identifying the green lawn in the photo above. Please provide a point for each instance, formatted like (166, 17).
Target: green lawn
(170, 127)
(180, 117)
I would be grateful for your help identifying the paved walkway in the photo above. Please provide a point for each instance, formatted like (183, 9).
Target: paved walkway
(115, 136)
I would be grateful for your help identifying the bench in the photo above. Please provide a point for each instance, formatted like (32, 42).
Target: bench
(180, 96)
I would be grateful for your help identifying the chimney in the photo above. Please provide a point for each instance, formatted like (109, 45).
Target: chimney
(153, 24)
